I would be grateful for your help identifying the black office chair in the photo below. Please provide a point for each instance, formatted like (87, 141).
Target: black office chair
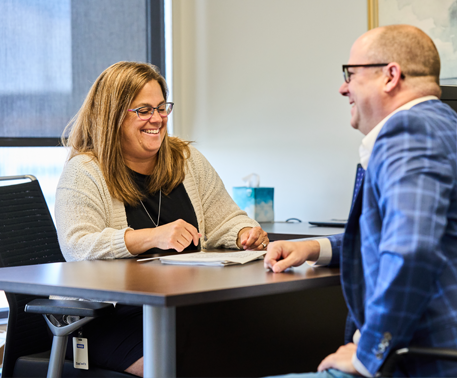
(28, 237)
(396, 357)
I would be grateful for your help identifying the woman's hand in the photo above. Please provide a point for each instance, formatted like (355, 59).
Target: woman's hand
(175, 235)
(253, 238)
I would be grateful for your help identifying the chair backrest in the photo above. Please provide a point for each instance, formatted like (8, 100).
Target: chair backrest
(27, 237)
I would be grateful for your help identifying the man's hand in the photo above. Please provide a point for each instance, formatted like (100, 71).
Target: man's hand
(283, 254)
(341, 360)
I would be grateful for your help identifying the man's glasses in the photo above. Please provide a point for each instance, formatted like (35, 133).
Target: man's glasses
(347, 74)
(145, 113)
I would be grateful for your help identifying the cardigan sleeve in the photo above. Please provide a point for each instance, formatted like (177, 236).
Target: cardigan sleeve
(222, 218)
(90, 224)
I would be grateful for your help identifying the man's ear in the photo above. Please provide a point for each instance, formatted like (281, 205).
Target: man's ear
(393, 76)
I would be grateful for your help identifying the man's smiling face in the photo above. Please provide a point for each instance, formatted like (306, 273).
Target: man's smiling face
(364, 89)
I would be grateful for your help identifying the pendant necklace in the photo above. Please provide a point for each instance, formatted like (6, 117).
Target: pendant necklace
(160, 205)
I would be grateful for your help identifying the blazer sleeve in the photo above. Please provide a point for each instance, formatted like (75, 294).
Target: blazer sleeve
(411, 178)
(337, 242)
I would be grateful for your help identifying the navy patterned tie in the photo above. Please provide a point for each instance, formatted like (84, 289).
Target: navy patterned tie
(358, 181)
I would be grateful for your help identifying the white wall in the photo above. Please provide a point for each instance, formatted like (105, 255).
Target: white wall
(256, 87)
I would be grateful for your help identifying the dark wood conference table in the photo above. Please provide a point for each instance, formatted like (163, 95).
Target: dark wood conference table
(214, 304)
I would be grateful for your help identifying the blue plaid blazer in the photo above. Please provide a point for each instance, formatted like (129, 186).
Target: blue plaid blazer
(398, 254)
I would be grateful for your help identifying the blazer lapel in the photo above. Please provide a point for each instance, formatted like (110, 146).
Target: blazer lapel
(351, 262)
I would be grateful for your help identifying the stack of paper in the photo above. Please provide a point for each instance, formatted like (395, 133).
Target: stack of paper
(213, 258)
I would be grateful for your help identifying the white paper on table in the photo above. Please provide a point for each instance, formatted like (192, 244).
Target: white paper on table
(213, 258)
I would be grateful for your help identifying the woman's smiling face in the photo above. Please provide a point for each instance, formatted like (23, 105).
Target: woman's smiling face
(141, 140)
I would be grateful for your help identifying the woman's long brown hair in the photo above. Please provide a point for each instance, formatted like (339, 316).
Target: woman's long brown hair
(96, 131)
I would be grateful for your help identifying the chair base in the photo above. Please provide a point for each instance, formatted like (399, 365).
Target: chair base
(38, 364)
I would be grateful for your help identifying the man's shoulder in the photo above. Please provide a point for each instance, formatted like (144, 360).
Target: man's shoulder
(426, 116)
(432, 108)
(429, 110)
(427, 130)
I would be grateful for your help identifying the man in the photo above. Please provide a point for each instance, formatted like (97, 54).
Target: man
(398, 255)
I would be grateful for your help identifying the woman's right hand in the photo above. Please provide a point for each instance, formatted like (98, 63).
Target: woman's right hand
(175, 235)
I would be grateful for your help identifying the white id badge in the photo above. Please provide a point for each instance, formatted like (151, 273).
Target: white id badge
(80, 357)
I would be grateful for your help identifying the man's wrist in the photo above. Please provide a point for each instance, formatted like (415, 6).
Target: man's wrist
(324, 255)
(362, 370)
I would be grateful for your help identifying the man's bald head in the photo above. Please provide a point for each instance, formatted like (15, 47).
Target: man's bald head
(409, 69)
(407, 45)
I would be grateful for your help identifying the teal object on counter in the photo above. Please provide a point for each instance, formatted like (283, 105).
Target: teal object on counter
(257, 202)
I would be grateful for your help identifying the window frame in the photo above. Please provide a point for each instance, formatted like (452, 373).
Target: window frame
(155, 52)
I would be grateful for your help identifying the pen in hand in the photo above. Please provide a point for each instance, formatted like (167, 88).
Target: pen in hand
(150, 258)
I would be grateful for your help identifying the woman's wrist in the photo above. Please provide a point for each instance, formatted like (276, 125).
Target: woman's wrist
(139, 241)
(238, 243)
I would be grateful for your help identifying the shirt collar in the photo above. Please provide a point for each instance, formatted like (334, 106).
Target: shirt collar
(368, 142)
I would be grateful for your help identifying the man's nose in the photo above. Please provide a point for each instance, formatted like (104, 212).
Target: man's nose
(344, 89)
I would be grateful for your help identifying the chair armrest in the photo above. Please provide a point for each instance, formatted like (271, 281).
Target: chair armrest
(389, 366)
(70, 307)
(436, 353)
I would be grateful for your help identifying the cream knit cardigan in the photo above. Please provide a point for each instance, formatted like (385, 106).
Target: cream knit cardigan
(91, 223)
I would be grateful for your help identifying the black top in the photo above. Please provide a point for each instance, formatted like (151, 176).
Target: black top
(175, 206)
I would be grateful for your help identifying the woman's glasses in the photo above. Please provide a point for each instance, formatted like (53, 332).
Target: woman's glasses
(145, 113)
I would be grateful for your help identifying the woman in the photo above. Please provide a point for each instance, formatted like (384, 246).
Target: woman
(129, 188)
